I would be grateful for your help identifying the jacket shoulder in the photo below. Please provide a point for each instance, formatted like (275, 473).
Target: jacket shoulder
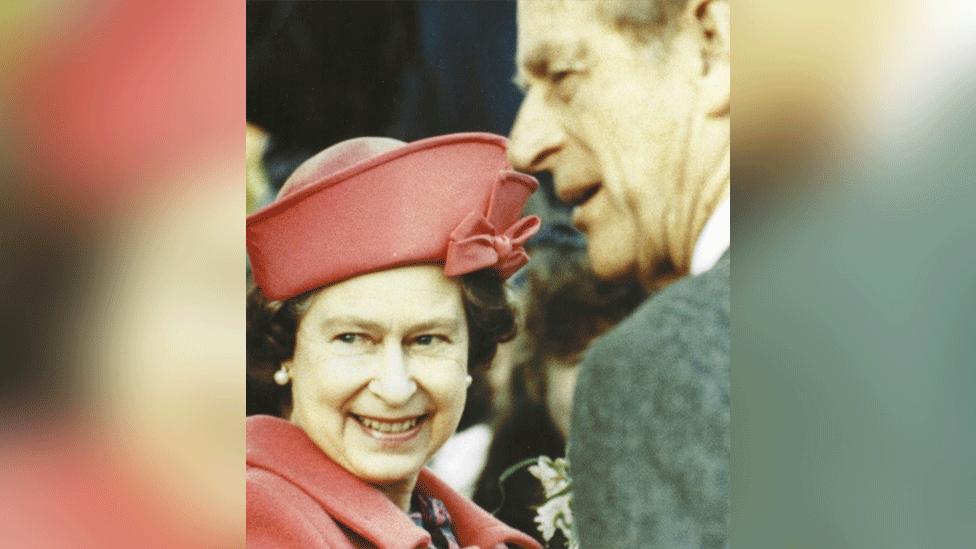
(281, 515)
(650, 433)
(687, 323)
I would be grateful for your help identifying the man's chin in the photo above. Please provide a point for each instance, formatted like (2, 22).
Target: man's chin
(611, 267)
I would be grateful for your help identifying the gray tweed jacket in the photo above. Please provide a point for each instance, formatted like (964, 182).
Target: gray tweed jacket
(649, 444)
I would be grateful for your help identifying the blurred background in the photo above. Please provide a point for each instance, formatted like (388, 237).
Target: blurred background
(121, 231)
(322, 72)
(122, 244)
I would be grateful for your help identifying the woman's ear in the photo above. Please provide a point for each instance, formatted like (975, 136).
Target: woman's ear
(712, 24)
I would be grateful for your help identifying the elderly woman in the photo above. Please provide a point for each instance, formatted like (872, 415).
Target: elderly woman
(379, 273)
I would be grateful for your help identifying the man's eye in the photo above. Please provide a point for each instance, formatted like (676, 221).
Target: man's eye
(348, 338)
(558, 77)
(564, 83)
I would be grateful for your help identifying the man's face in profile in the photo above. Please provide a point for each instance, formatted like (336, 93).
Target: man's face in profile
(610, 117)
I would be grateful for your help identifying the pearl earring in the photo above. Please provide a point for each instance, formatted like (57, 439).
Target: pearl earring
(282, 377)
(469, 380)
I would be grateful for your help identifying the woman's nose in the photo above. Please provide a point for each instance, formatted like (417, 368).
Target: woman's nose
(393, 383)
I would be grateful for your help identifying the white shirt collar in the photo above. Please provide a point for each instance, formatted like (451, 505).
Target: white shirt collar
(714, 239)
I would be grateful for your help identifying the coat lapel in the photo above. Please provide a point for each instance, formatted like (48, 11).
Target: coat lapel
(284, 449)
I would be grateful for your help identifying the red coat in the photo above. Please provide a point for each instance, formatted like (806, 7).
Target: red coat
(298, 497)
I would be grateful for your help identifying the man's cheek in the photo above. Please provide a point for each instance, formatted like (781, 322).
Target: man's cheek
(612, 247)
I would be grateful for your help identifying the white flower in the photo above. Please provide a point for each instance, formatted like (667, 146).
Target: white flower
(554, 475)
(555, 514)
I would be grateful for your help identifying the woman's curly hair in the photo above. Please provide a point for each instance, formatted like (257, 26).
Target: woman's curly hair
(272, 327)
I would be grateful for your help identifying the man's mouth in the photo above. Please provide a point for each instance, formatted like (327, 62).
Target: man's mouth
(582, 195)
(586, 196)
(390, 426)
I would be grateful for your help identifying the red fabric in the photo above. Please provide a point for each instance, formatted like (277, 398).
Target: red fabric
(477, 244)
(363, 211)
(127, 91)
(70, 486)
(297, 497)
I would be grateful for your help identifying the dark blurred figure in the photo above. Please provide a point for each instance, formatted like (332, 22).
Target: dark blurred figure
(322, 72)
(566, 308)
(34, 288)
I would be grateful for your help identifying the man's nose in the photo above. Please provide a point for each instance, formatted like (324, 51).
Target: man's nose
(393, 384)
(535, 137)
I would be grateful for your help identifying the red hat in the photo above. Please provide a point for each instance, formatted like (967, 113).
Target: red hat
(372, 203)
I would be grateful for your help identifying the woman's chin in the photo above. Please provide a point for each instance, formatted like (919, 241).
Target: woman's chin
(388, 470)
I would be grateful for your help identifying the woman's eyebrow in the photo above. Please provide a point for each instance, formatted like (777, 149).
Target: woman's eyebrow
(350, 320)
(444, 323)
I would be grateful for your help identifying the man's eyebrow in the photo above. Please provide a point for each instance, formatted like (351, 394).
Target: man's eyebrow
(536, 61)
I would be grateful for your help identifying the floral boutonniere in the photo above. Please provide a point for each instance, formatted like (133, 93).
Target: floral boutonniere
(556, 513)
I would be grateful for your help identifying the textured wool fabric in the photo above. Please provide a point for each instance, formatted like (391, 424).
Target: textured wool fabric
(370, 204)
(650, 441)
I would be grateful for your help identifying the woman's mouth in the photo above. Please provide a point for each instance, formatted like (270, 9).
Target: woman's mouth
(390, 429)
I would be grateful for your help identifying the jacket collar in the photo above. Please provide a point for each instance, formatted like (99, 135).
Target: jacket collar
(283, 448)
(279, 446)
(714, 240)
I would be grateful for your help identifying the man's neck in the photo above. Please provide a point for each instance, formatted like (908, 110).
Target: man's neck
(699, 208)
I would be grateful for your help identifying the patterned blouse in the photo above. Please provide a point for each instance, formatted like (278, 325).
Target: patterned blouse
(431, 515)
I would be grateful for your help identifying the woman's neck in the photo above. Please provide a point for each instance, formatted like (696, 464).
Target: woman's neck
(399, 492)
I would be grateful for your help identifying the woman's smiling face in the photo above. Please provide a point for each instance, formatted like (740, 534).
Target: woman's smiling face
(379, 374)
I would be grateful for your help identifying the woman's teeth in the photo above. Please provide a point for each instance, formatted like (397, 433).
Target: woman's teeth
(389, 427)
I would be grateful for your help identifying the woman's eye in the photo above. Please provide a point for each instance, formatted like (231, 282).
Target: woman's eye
(428, 339)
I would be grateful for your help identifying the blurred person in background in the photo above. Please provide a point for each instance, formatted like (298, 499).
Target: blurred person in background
(379, 275)
(322, 72)
(124, 263)
(567, 308)
(258, 188)
(628, 105)
(312, 75)
(135, 409)
(854, 289)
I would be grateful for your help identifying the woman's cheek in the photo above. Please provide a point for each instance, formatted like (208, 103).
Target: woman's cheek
(444, 376)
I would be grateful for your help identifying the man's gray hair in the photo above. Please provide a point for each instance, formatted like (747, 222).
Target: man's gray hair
(644, 19)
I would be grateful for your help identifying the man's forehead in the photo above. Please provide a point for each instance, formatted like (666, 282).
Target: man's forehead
(549, 29)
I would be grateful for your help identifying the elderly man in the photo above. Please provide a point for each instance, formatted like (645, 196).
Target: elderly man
(627, 104)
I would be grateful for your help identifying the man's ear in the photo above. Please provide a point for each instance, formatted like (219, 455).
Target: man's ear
(712, 22)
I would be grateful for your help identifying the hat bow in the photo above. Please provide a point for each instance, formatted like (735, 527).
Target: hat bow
(477, 244)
